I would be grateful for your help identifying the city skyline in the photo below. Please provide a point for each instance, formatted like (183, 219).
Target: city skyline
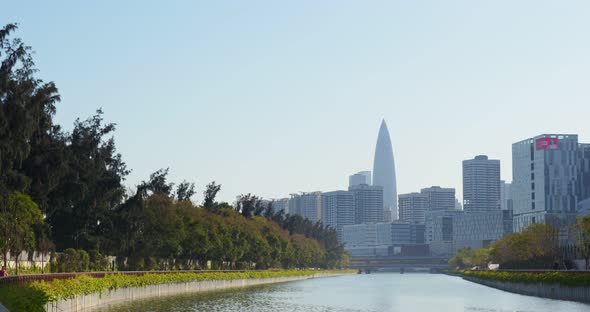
(301, 98)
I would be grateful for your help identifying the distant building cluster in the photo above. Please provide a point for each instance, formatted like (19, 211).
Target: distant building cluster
(551, 184)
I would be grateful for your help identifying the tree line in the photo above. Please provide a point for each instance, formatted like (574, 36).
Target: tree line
(64, 190)
(536, 247)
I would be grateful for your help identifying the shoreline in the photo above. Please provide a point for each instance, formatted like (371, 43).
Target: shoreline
(114, 297)
(111, 297)
(538, 289)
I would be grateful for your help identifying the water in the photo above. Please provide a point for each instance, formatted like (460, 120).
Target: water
(360, 293)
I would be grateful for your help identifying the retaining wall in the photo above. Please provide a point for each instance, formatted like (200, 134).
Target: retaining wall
(552, 291)
(97, 301)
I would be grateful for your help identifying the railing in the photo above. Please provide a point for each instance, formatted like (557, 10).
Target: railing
(21, 279)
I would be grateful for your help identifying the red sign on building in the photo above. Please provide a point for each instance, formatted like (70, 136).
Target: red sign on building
(547, 143)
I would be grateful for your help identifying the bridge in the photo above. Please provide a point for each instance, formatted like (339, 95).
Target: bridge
(408, 264)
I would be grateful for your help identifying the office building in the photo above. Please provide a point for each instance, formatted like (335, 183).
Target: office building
(281, 204)
(338, 210)
(550, 173)
(477, 230)
(307, 205)
(368, 203)
(584, 171)
(413, 207)
(440, 198)
(481, 184)
(362, 177)
(384, 171)
(439, 231)
(505, 196)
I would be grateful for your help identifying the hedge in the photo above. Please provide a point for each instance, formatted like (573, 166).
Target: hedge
(571, 279)
(35, 295)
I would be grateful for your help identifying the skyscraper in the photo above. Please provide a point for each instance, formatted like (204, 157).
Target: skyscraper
(413, 207)
(368, 203)
(505, 195)
(481, 184)
(338, 210)
(307, 205)
(280, 205)
(548, 180)
(440, 198)
(362, 177)
(384, 170)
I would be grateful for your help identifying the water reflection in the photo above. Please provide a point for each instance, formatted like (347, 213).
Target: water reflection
(360, 293)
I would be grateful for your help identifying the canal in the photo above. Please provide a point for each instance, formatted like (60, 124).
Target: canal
(360, 293)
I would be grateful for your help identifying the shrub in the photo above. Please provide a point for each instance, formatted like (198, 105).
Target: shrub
(73, 260)
(98, 262)
(35, 295)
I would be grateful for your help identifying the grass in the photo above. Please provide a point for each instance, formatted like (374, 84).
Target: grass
(35, 295)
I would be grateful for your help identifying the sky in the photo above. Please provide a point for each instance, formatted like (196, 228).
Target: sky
(279, 97)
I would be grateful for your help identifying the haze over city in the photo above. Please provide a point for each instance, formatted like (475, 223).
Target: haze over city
(275, 99)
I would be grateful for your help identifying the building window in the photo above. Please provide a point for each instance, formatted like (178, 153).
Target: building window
(532, 176)
(532, 166)
(534, 221)
(533, 195)
(533, 205)
(533, 186)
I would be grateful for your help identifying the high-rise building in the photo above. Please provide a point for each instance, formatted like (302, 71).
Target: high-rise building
(281, 204)
(548, 180)
(440, 198)
(413, 207)
(368, 203)
(584, 171)
(481, 184)
(505, 196)
(384, 170)
(307, 205)
(458, 205)
(361, 177)
(338, 210)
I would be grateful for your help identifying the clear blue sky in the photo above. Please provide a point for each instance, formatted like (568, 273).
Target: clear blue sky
(276, 97)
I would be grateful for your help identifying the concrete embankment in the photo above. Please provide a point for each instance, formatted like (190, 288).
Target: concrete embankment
(108, 298)
(551, 291)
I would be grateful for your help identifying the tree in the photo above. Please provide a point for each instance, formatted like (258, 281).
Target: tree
(463, 258)
(184, 191)
(210, 194)
(543, 245)
(82, 205)
(24, 103)
(582, 235)
(18, 217)
(27, 105)
(247, 205)
(43, 243)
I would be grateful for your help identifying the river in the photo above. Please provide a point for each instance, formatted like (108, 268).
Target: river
(359, 293)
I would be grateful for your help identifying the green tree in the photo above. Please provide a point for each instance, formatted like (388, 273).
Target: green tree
(463, 259)
(83, 204)
(184, 191)
(582, 235)
(73, 260)
(210, 193)
(18, 217)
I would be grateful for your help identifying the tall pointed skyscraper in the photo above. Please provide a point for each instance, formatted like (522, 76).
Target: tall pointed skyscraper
(384, 172)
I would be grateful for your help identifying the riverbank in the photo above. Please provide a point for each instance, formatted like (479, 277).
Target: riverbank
(573, 286)
(84, 293)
